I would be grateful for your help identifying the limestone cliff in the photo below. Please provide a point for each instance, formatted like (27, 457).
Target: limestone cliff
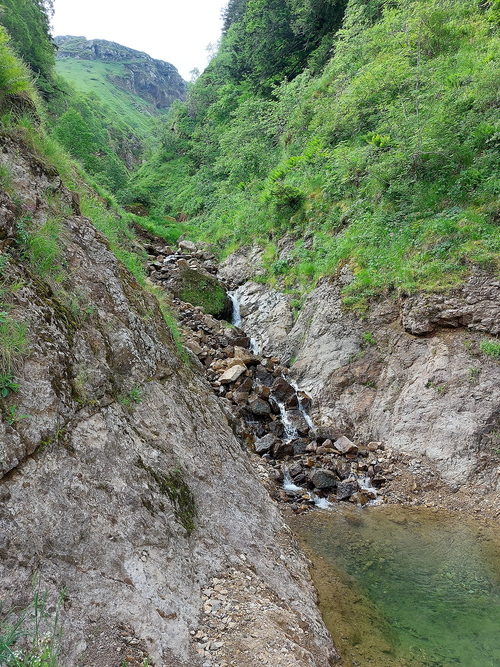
(122, 481)
(411, 373)
(155, 81)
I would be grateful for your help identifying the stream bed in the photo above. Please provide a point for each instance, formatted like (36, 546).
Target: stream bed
(406, 586)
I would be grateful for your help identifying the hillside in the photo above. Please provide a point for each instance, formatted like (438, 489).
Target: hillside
(383, 159)
(134, 84)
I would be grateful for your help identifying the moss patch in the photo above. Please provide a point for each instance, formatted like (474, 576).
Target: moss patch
(178, 492)
(202, 290)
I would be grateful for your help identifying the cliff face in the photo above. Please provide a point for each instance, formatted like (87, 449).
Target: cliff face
(121, 479)
(411, 374)
(155, 81)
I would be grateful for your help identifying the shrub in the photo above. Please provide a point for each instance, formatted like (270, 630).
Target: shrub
(491, 348)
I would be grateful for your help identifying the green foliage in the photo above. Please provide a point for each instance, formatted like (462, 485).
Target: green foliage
(27, 22)
(368, 339)
(491, 348)
(31, 637)
(12, 416)
(133, 396)
(385, 161)
(14, 75)
(7, 384)
(40, 243)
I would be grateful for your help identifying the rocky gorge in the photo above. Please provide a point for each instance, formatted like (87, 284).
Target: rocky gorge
(416, 413)
(153, 491)
(122, 483)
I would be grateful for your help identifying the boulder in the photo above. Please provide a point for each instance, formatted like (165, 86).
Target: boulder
(299, 446)
(265, 444)
(324, 479)
(346, 489)
(345, 446)
(298, 421)
(282, 449)
(246, 357)
(259, 407)
(282, 390)
(277, 428)
(193, 346)
(187, 246)
(232, 374)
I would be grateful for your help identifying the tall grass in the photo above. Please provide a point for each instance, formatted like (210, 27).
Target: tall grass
(31, 637)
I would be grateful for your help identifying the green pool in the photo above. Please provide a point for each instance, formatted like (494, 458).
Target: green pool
(406, 586)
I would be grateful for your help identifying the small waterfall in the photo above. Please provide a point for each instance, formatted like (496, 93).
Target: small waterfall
(236, 319)
(290, 430)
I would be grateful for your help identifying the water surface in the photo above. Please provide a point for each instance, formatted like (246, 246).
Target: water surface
(406, 586)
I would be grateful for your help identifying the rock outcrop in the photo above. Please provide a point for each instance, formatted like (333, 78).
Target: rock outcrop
(156, 81)
(122, 481)
(435, 396)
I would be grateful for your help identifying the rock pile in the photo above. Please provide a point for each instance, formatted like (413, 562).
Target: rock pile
(271, 415)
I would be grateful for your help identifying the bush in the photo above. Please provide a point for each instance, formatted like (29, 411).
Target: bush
(491, 348)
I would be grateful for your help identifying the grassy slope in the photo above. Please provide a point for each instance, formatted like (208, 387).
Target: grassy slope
(92, 76)
(387, 161)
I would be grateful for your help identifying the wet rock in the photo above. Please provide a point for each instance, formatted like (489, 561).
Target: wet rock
(282, 449)
(262, 391)
(282, 390)
(275, 408)
(324, 479)
(232, 374)
(258, 406)
(300, 479)
(298, 421)
(346, 489)
(345, 446)
(305, 400)
(263, 375)
(359, 498)
(292, 403)
(299, 446)
(277, 428)
(295, 469)
(265, 444)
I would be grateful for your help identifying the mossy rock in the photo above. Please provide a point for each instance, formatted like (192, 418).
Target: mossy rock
(201, 289)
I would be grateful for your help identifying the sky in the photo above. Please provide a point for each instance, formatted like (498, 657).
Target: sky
(175, 31)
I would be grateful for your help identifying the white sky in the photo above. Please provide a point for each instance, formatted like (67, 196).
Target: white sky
(175, 31)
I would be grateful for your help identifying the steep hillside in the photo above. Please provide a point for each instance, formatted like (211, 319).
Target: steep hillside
(384, 161)
(133, 83)
(124, 494)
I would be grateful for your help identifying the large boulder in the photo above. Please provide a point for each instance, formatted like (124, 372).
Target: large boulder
(202, 289)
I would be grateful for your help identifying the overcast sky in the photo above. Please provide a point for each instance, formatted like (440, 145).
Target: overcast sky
(175, 31)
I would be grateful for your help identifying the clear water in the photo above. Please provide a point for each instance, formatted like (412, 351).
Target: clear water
(406, 586)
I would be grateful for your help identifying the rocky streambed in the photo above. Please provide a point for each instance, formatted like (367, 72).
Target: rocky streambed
(307, 465)
(308, 462)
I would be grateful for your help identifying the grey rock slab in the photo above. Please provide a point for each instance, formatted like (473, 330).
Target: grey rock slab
(232, 374)
(265, 444)
(91, 510)
(324, 479)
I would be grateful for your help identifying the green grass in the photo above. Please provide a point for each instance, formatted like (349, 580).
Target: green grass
(491, 348)
(31, 637)
(94, 76)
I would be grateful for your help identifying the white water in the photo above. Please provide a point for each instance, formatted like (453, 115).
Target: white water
(291, 432)
(236, 309)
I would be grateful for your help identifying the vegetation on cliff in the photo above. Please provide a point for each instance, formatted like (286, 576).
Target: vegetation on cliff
(384, 158)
